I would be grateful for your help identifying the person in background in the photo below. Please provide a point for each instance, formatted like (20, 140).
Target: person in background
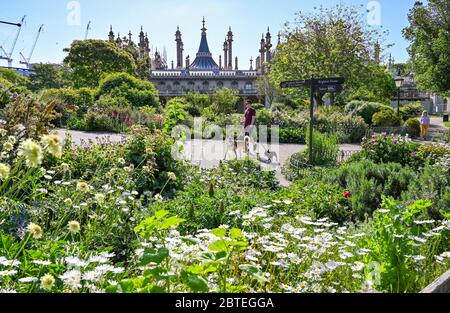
(424, 125)
(249, 117)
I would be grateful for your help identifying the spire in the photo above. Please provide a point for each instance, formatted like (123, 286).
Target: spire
(111, 34)
(279, 37)
(251, 64)
(204, 58)
(204, 29)
(236, 64)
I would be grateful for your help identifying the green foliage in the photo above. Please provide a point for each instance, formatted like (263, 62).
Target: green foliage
(14, 78)
(393, 239)
(387, 149)
(224, 101)
(325, 148)
(292, 135)
(347, 128)
(429, 35)
(386, 118)
(134, 92)
(412, 127)
(411, 110)
(329, 43)
(90, 60)
(368, 182)
(45, 76)
(364, 109)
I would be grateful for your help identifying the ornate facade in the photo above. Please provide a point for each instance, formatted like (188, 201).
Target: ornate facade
(203, 74)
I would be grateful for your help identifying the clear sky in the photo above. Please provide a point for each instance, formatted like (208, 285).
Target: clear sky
(248, 19)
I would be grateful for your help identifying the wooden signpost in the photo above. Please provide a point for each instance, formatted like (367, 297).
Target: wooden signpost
(332, 85)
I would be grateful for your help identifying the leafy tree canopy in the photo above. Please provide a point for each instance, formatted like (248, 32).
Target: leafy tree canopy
(45, 76)
(136, 92)
(90, 60)
(429, 34)
(328, 43)
(224, 101)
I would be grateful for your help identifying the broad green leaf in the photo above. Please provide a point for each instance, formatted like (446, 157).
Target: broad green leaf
(219, 232)
(236, 233)
(219, 246)
(194, 282)
(154, 256)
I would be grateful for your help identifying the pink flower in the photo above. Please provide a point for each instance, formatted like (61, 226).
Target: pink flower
(347, 194)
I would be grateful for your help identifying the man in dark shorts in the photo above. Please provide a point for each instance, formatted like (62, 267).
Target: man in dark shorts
(249, 117)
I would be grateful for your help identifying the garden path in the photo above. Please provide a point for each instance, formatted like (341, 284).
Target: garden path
(213, 151)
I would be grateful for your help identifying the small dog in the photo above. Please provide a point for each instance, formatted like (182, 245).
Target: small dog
(238, 147)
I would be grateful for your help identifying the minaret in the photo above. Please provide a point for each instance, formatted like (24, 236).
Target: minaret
(225, 54)
(180, 48)
(262, 53)
(251, 64)
(141, 42)
(188, 62)
(129, 38)
(119, 40)
(268, 45)
(173, 66)
(236, 64)
(111, 34)
(220, 62)
(147, 45)
(279, 38)
(230, 49)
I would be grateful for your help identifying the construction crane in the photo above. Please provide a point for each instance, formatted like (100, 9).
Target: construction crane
(5, 55)
(26, 61)
(88, 28)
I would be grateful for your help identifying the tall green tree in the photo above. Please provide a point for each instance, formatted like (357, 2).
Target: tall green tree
(429, 34)
(45, 76)
(224, 101)
(90, 60)
(327, 43)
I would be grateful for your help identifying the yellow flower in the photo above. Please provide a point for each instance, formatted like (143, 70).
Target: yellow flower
(4, 171)
(82, 186)
(53, 145)
(68, 202)
(74, 227)
(32, 152)
(35, 230)
(47, 282)
(172, 176)
(8, 146)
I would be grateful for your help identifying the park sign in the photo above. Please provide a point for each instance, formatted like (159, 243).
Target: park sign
(335, 82)
(329, 88)
(329, 81)
(296, 83)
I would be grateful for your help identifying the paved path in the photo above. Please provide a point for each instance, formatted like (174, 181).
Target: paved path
(209, 153)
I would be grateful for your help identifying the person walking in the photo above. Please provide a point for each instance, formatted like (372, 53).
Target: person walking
(424, 125)
(249, 117)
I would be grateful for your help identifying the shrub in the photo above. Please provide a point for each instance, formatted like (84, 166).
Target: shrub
(137, 92)
(224, 101)
(366, 110)
(348, 128)
(411, 110)
(96, 121)
(325, 148)
(368, 182)
(386, 149)
(292, 135)
(385, 118)
(412, 127)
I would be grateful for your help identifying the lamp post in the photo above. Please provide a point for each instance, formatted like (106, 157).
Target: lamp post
(398, 83)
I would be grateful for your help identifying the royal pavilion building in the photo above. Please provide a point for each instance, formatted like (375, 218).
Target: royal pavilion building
(203, 74)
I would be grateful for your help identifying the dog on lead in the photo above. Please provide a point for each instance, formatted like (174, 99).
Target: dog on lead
(270, 155)
(238, 147)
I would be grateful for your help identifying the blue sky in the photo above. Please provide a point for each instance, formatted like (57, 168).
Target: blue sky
(248, 19)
